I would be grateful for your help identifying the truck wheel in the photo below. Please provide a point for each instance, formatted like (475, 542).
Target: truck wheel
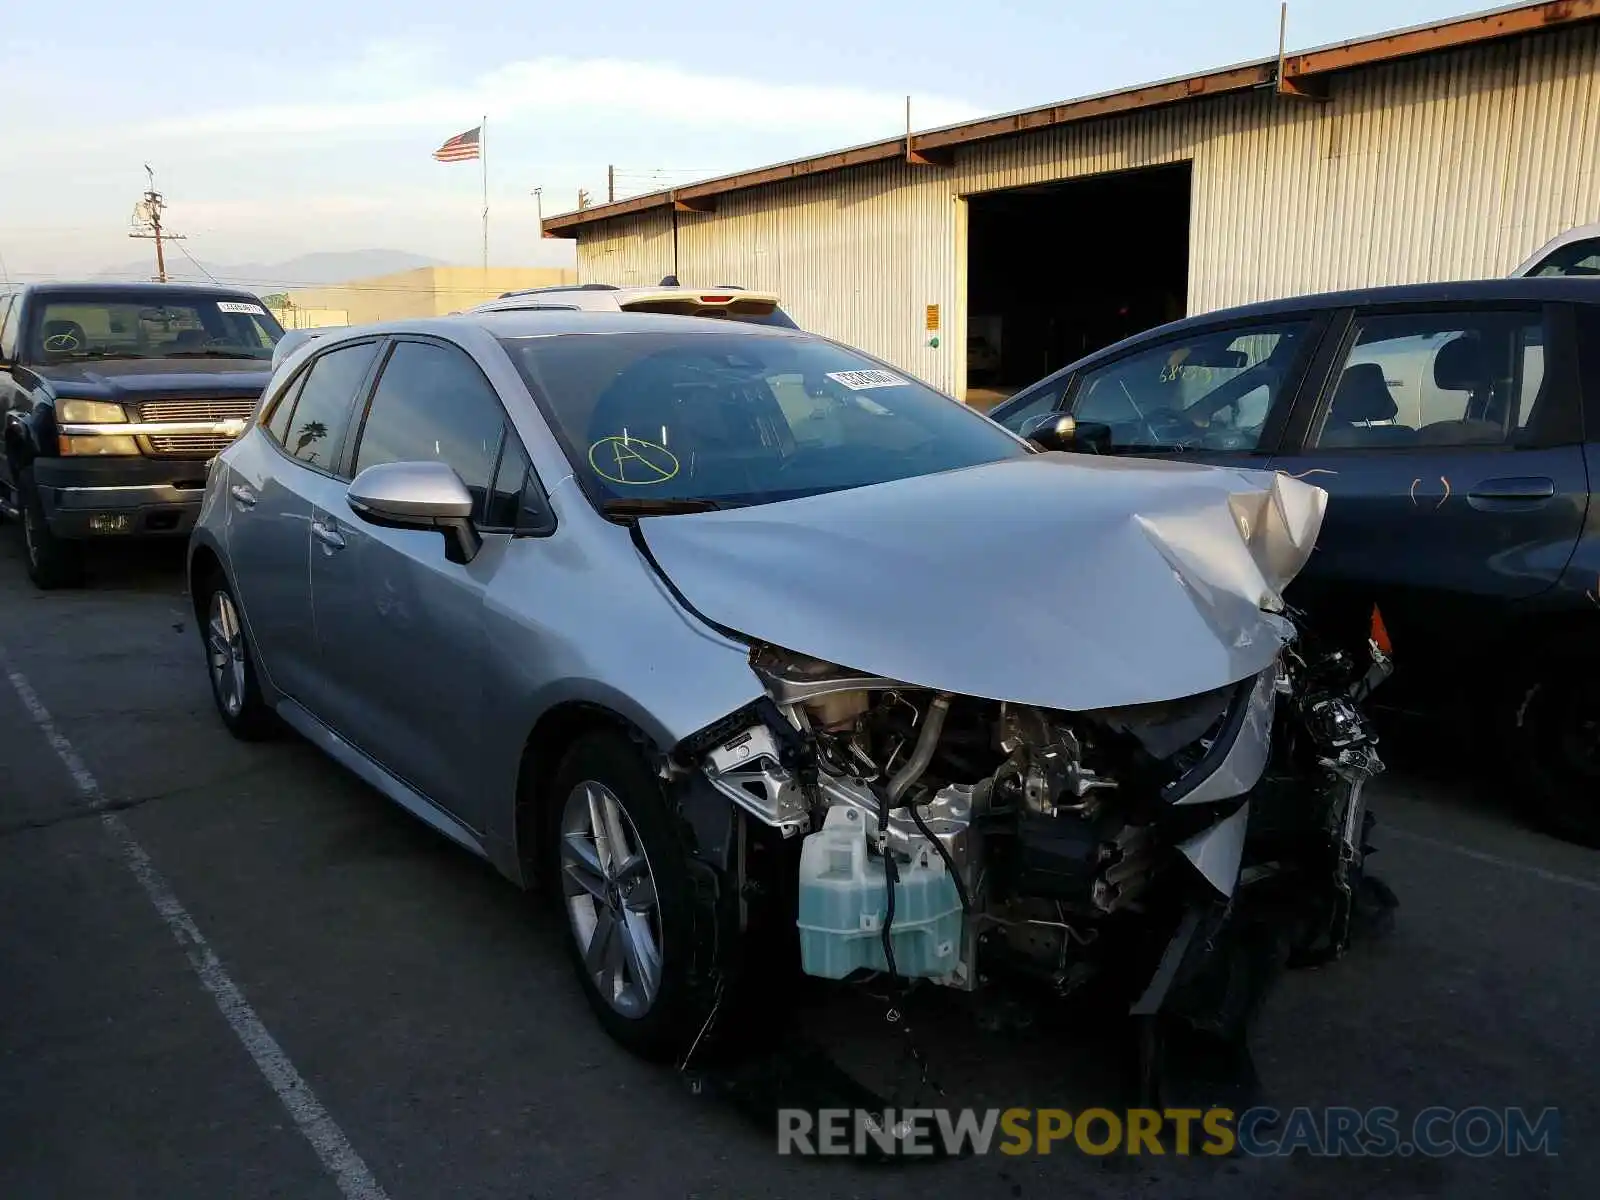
(52, 562)
(1558, 752)
(625, 894)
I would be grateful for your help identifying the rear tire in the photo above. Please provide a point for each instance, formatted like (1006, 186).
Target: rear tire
(625, 896)
(52, 562)
(1558, 751)
(235, 688)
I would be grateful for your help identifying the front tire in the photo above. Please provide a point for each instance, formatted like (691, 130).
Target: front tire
(623, 884)
(234, 685)
(52, 562)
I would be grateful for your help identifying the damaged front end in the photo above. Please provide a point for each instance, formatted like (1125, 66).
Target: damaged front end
(960, 841)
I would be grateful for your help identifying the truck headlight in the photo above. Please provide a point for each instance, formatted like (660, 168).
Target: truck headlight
(98, 444)
(90, 412)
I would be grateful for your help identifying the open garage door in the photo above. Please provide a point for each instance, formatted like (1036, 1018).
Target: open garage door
(1058, 270)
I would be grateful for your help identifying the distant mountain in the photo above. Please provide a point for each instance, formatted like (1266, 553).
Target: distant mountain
(305, 270)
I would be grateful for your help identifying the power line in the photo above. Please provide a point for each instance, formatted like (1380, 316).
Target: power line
(198, 263)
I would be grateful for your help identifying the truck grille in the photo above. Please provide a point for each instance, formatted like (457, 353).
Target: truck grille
(188, 445)
(199, 408)
(196, 410)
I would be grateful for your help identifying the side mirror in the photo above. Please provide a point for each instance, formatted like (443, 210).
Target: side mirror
(1063, 431)
(418, 495)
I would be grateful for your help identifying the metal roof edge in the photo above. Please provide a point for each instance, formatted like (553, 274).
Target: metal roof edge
(1407, 42)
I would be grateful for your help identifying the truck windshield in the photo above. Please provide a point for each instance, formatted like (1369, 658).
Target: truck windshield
(183, 325)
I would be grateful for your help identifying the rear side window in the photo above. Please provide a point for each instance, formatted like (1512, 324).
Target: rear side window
(9, 305)
(321, 414)
(277, 425)
(1437, 379)
(432, 404)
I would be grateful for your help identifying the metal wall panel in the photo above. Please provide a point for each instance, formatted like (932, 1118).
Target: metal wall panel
(1450, 166)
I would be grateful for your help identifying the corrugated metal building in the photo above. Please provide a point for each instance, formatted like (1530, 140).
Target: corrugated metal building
(1449, 151)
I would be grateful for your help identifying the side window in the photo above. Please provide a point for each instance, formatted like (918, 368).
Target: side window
(277, 424)
(10, 306)
(1212, 391)
(1575, 258)
(1435, 379)
(433, 404)
(510, 478)
(1043, 399)
(322, 412)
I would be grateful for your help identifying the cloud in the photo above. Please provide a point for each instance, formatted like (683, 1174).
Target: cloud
(595, 91)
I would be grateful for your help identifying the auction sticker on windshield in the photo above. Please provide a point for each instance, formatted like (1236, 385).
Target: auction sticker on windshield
(235, 306)
(860, 381)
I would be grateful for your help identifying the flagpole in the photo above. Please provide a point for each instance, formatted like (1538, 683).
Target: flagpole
(483, 155)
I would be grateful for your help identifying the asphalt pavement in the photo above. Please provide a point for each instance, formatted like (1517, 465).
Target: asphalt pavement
(232, 970)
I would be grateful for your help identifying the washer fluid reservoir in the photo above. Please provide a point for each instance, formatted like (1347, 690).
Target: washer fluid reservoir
(844, 899)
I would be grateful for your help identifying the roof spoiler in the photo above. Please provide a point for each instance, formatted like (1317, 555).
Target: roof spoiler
(294, 339)
(672, 282)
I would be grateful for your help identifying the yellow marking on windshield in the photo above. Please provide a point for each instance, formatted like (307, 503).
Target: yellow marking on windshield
(632, 462)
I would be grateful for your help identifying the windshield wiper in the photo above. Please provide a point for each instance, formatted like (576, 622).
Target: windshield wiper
(93, 352)
(644, 506)
(214, 353)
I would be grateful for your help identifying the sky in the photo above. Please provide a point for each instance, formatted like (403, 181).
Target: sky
(293, 127)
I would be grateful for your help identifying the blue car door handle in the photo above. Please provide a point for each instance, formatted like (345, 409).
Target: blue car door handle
(1500, 493)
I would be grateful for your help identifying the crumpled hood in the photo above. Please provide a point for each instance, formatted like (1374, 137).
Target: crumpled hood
(132, 380)
(1061, 580)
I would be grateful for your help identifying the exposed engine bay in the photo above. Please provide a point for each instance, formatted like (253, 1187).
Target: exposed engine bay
(952, 839)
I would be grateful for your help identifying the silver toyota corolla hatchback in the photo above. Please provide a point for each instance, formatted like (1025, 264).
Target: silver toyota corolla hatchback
(759, 655)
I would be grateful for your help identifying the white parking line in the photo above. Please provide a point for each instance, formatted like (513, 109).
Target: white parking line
(338, 1156)
(1510, 864)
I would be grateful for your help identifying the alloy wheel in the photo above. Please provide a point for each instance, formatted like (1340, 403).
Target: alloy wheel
(611, 900)
(225, 647)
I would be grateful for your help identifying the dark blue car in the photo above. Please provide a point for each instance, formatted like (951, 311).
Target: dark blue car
(1456, 428)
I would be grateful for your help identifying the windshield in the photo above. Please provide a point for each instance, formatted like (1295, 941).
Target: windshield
(105, 325)
(731, 419)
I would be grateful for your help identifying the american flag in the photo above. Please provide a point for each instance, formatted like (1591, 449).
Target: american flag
(461, 148)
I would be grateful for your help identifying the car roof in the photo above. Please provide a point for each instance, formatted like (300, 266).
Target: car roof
(139, 288)
(1538, 290)
(525, 322)
(1580, 233)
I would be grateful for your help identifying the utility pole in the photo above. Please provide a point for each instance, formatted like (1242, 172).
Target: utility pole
(611, 185)
(583, 198)
(147, 224)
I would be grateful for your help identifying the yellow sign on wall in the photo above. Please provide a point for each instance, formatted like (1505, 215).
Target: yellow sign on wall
(933, 318)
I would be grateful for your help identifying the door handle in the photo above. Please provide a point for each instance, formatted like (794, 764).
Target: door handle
(1494, 493)
(243, 495)
(328, 536)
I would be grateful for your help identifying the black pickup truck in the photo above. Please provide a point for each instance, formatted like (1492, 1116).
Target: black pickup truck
(113, 398)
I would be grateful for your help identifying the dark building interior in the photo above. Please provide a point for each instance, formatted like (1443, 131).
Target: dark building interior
(1059, 270)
